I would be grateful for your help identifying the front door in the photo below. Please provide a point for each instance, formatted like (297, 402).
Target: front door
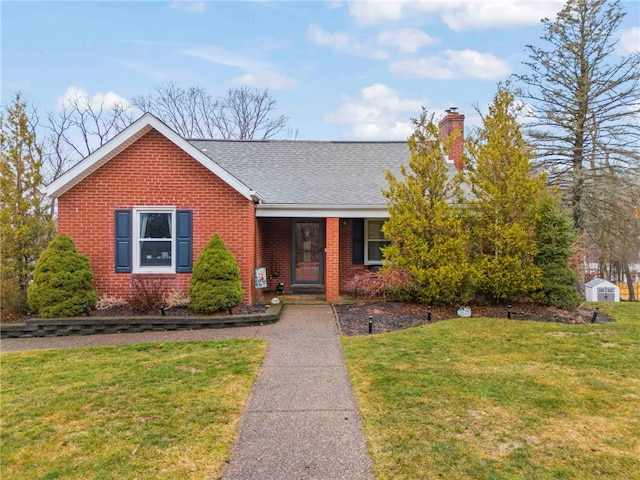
(308, 252)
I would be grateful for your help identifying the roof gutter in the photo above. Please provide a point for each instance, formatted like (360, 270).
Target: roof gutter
(321, 211)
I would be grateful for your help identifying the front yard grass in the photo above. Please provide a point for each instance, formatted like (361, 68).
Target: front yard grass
(501, 399)
(145, 411)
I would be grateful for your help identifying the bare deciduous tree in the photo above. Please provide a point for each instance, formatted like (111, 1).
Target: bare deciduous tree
(191, 111)
(247, 114)
(617, 236)
(80, 127)
(243, 114)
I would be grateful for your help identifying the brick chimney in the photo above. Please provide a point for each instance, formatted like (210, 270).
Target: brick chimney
(450, 123)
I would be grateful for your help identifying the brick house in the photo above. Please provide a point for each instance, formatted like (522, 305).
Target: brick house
(309, 212)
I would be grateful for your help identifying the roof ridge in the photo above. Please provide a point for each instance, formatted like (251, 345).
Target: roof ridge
(222, 140)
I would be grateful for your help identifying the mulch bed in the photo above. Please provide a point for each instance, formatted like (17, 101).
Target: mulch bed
(387, 316)
(390, 316)
(178, 312)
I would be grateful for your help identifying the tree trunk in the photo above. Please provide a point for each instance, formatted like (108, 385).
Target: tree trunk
(627, 273)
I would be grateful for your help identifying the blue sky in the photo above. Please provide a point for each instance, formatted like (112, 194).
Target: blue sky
(339, 70)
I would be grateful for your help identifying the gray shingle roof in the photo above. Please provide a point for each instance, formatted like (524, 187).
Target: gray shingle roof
(310, 172)
(597, 281)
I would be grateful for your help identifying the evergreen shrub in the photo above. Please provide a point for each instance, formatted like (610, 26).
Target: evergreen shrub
(62, 281)
(554, 238)
(215, 279)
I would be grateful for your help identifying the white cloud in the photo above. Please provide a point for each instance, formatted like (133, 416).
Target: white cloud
(335, 40)
(256, 73)
(430, 67)
(406, 39)
(373, 12)
(156, 74)
(343, 43)
(266, 79)
(214, 54)
(629, 41)
(460, 15)
(483, 15)
(379, 113)
(189, 6)
(78, 96)
(454, 64)
(484, 66)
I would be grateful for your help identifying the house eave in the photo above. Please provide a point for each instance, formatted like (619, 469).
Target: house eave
(321, 211)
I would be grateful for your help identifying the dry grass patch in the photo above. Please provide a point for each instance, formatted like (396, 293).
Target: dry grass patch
(494, 399)
(143, 411)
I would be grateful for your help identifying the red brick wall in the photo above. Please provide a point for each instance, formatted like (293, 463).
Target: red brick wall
(332, 262)
(259, 249)
(453, 122)
(276, 249)
(274, 245)
(155, 172)
(347, 268)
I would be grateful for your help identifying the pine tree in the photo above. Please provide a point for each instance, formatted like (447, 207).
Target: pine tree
(216, 278)
(584, 94)
(427, 232)
(554, 237)
(505, 194)
(62, 281)
(585, 99)
(25, 221)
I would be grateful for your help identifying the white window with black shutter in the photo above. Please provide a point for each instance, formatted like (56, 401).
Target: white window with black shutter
(368, 240)
(374, 241)
(153, 240)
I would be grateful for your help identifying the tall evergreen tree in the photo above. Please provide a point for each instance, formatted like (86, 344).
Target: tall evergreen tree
(585, 99)
(554, 237)
(26, 225)
(429, 238)
(505, 195)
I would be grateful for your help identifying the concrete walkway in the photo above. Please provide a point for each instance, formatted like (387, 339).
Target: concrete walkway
(301, 420)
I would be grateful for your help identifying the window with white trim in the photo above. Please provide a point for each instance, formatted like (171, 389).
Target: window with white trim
(374, 241)
(154, 244)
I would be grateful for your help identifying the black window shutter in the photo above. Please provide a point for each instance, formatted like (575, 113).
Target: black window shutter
(358, 241)
(184, 242)
(123, 241)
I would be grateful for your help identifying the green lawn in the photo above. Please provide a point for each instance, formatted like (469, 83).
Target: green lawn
(500, 399)
(146, 411)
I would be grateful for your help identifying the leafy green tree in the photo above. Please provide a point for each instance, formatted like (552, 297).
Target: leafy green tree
(25, 220)
(585, 101)
(428, 236)
(505, 194)
(62, 281)
(216, 278)
(554, 237)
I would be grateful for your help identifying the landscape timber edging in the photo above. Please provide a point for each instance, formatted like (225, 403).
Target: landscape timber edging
(59, 327)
